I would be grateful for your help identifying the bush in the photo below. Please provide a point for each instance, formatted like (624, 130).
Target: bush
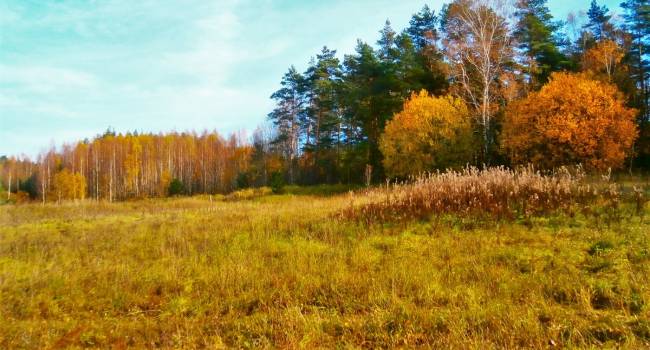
(30, 186)
(176, 188)
(19, 197)
(242, 181)
(277, 182)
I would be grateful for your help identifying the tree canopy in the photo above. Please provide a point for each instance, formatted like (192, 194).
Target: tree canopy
(429, 133)
(572, 120)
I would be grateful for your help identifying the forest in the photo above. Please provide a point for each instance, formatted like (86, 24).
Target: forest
(476, 83)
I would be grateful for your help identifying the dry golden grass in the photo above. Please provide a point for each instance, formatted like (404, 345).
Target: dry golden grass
(279, 271)
(496, 193)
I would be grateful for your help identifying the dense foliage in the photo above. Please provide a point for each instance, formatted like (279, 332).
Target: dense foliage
(573, 119)
(429, 133)
(115, 166)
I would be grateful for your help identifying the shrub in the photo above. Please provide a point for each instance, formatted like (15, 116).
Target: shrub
(600, 247)
(176, 187)
(20, 197)
(277, 182)
(242, 180)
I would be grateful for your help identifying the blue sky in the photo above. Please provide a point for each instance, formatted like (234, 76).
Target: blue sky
(69, 69)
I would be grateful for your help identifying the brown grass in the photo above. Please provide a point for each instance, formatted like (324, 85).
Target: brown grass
(497, 193)
(279, 272)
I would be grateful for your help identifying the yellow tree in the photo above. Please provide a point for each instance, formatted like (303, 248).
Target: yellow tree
(132, 165)
(603, 57)
(163, 185)
(429, 133)
(79, 186)
(572, 119)
(68, 185)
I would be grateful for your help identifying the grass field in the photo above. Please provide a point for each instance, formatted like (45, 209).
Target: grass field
(285, 271)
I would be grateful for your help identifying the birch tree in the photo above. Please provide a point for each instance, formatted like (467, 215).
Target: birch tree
(477, 45)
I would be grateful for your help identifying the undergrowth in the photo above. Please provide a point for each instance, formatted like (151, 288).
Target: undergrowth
(496, 193)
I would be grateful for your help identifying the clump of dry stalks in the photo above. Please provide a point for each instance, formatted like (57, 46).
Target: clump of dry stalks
(497, 192)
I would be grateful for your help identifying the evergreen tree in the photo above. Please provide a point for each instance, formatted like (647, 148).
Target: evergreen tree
(176, 188)
(258, 172)
(323, 118)
(377, 82)
(536, 34)
(387, 43)
(389, 88)
(598, 24)
(361, 94)
(637, 24)
(290, 107)
(428, 72)
(422, 29)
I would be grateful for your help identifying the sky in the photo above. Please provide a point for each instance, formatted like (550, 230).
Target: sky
(70, 69)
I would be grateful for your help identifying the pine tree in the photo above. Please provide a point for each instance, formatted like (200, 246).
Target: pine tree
(536, 34)
(323, 115)
(637, 24)
(428, 70)
(598, 24)
(361, 94)
(387, 43)
(290, 107)
(422, 28)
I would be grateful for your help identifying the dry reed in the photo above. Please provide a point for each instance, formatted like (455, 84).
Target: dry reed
(496, 192)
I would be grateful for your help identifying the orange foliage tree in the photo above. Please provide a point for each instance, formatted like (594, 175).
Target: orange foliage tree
(429, 133)
(572, 119)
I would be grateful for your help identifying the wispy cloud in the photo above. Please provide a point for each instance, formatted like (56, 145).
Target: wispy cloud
(45, 79)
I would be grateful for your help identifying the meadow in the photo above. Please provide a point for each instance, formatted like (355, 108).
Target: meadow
(324, 268)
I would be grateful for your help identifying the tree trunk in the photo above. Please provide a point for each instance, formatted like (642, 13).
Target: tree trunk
(9, 189)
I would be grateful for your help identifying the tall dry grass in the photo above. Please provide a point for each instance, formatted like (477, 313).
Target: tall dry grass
(496, 192)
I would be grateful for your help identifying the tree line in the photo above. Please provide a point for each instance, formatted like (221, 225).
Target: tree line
(478, 82)
(117, 166)
(330, 119)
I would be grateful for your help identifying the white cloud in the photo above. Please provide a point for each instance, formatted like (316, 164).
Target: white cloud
(45, 79)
